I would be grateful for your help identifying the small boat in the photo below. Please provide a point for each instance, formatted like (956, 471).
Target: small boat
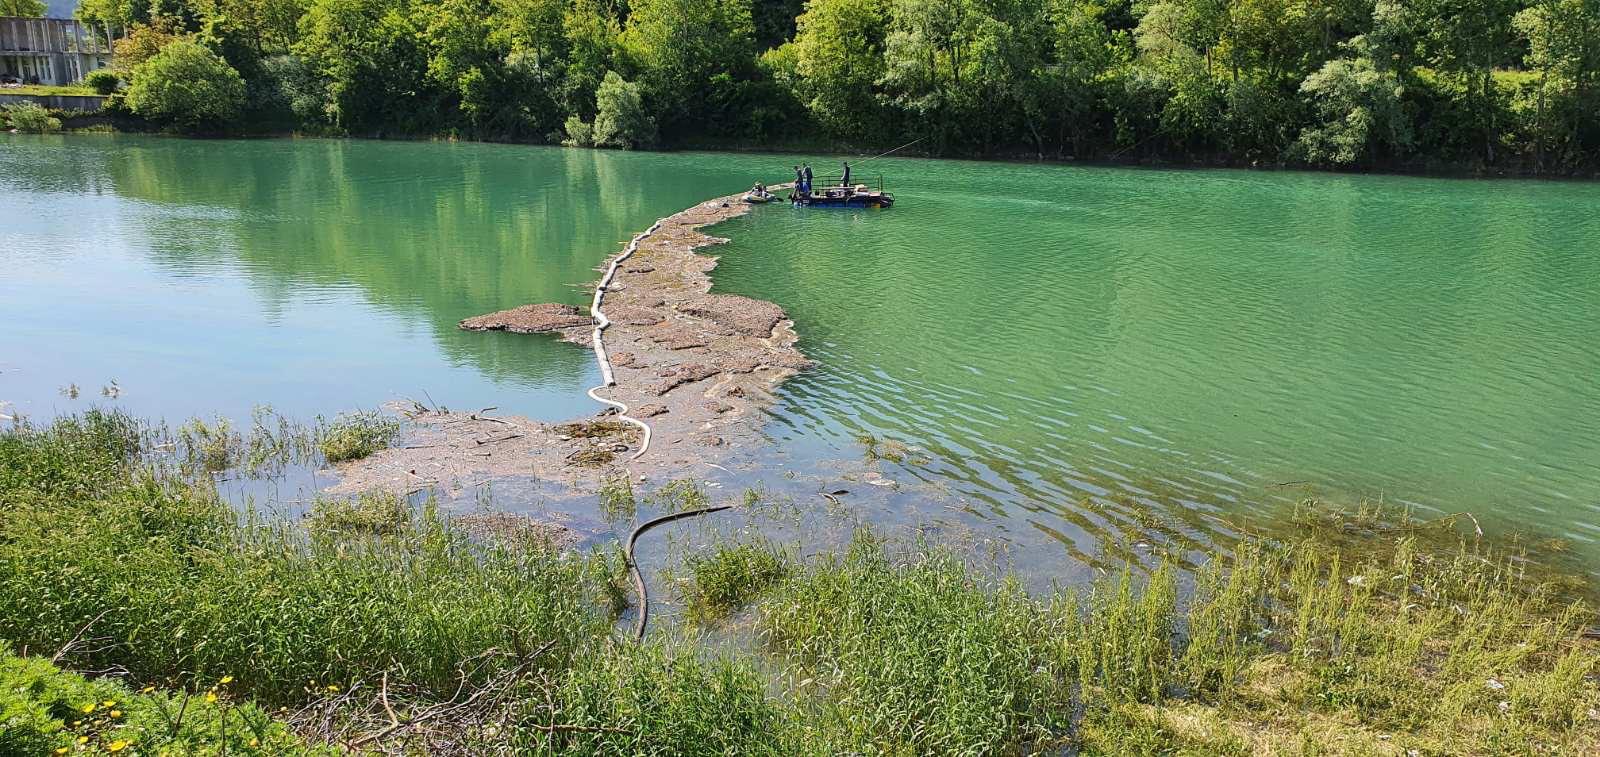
(761, 197)
(857, 196)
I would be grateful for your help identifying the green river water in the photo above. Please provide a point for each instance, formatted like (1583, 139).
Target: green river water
(1072, 352)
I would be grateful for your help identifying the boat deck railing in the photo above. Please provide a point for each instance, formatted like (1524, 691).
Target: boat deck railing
(834, 181)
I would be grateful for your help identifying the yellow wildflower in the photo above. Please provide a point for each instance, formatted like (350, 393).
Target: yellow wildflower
(63, 750)
(83, 739)
(89, 707)
(108, 703)
(255, 741)
(227, 680)
(147, 689)
(333, 687)
(211, 696)
(117, 746)
(116, 713)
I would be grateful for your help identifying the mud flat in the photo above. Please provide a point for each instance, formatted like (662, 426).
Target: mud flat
(697, 367)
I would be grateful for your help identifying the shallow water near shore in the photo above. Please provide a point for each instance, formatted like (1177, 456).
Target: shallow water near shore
(1059, 355)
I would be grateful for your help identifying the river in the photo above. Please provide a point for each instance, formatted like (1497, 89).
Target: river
(1076, 352)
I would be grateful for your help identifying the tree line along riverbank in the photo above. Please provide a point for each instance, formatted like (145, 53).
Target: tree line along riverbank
(1490, 85)
(140, 612)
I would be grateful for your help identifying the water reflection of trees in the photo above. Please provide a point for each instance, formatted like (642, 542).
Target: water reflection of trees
(431, 232)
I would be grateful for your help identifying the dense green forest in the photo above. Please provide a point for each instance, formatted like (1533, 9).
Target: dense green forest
(1481, 84)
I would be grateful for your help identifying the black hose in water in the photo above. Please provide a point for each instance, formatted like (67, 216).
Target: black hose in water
(633, 567)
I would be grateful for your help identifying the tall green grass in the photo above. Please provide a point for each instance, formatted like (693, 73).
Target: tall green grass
(353, 436)
(728, 577)
(172, 584)
(885, 649)
(917, 657)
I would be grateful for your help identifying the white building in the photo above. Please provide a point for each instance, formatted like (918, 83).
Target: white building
(50, 50)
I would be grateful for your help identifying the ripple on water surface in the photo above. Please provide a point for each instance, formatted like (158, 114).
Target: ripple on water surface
(1170, 344)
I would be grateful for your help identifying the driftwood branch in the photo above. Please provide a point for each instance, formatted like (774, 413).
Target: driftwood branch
(66, 648)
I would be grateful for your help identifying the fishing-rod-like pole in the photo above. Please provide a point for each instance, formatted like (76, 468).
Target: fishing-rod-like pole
(895, 150)
(875, 157)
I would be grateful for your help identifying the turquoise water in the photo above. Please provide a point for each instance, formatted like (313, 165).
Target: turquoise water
(311, 275)
(1169, 345)
(1072, 354)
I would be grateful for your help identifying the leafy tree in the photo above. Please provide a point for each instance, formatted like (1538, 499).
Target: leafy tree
(925, 56)
(531, 26)
(28, 8)
(1563, 38)
(1465, 40)
(1335, 82)
(591, 31)
(256, 28)
(691, 55)
(285, 89)
(1081, 83)
(186, 85)
(622, 120)
(580, 133)
(141, 43)
(1361, 107)
(776, 21)
(1010, 44)
(467, 60)
(371, 54)
(838, 55)
(118, 13)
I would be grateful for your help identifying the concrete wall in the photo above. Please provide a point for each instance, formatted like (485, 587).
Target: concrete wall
(59, 102)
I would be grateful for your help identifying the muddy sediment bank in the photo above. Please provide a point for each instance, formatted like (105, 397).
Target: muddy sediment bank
(697, 367)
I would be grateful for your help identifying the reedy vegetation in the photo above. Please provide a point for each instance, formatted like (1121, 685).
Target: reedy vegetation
(884, 649)
(1475, 83)
(273, 441)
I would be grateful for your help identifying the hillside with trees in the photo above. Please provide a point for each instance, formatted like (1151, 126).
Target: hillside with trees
(1486, 85)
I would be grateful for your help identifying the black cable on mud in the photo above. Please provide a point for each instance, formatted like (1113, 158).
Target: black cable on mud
(633, 566)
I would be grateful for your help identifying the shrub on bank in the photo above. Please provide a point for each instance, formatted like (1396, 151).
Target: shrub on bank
(31, 117)
(621, 119)
(103, 81)
(187, 86)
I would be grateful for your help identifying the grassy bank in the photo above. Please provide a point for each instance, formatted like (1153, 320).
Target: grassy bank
(374, 626)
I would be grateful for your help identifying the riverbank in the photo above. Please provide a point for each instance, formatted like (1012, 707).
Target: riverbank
(85, 123)
(401, 633)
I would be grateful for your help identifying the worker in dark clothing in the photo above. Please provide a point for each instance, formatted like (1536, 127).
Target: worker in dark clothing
(845, 182)
(808, 176)
(799, 178)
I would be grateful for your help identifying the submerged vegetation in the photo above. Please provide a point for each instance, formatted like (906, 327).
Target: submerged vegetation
(273, 441)
(375, 513)
(356, 435)
(729, 576)
(392, 630)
